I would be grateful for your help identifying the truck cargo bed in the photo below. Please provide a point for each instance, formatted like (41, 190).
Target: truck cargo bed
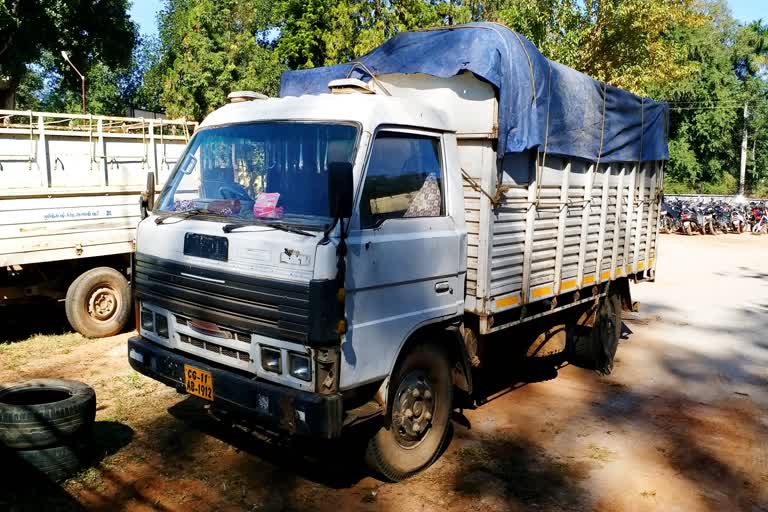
(71, 183)
(561, 226)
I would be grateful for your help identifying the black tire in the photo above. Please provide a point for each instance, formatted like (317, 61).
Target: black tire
(57, 463)
(98, 303)
(391, 453)
(687, 229)
(45, 412)
(596, 348)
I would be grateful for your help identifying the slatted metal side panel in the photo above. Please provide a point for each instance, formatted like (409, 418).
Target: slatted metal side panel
(574, 209)
(40, 229)
(653, 233)
(472, 217)
(507, 225)
(508, 241)
(571, 226)
(477, 160)
(610, 237)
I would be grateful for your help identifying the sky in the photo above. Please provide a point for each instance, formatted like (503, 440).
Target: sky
(144, 12)
(749, 10)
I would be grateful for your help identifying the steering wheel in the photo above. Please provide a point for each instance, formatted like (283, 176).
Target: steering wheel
(234, 191)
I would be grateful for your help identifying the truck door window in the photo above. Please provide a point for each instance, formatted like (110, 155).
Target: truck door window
(404, 179)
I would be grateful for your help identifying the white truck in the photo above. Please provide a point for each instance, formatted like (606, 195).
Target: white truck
(69, 206)
(356, 250)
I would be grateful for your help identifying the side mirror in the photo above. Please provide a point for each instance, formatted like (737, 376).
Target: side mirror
(340, 189)
(147, 199)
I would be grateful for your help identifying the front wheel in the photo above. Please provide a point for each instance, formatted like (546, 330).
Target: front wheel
(98, 303)
(418, 416)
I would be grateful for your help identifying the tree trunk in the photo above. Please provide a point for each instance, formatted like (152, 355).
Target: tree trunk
(8, 93)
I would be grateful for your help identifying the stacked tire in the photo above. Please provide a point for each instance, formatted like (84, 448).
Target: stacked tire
(45, 424)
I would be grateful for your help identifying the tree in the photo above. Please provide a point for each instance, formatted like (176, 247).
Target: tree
(210, 48)
(707, 106)
(690, 52)
(88, 31)
(110, 90)
(324, 32)
(625, 43)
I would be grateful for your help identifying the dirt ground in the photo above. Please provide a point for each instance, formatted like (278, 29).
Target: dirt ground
(681, 424)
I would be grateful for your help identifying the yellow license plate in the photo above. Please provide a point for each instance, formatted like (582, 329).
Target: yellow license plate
(198, 382)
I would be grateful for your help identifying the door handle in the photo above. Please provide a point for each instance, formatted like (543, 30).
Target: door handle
(443, 287)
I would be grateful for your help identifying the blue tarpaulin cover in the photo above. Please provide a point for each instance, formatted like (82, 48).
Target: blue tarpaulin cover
(540, 101)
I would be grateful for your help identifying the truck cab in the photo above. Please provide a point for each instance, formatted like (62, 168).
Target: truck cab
(254, 291)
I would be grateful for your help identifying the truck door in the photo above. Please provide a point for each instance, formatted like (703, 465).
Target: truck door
(403, 260)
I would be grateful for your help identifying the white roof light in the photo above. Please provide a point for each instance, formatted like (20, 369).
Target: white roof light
(349, 86)
(239, 96)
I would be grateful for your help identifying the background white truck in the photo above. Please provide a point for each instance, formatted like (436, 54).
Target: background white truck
(69, 206)
(324, 259)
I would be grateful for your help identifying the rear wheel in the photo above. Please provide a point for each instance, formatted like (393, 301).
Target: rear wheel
(596, 348)
(419, 410)
(687, 228)
(98, 303)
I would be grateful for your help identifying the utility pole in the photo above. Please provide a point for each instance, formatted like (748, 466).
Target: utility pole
(82, 77)
(743, 169)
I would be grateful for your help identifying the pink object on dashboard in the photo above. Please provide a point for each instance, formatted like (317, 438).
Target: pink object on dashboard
(266, 206)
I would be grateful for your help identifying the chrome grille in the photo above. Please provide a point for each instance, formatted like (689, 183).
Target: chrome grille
(231, 333)
(216, 349)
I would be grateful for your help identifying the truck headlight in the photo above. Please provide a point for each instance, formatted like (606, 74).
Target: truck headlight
(299, 366)
(271, 360)
(161, 325)
(147, 320)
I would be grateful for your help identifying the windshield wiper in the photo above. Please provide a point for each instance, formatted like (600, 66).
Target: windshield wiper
(228, 228)
(187, 214)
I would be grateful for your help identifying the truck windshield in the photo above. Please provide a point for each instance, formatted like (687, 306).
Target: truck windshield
(275, 170)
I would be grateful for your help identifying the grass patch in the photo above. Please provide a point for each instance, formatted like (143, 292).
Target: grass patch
(126, 396)
(600, 453)
(89, 479)
(617, 386)
(16, 355)
(648, 494)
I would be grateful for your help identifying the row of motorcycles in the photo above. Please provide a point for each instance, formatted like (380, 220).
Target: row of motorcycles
(713, 217)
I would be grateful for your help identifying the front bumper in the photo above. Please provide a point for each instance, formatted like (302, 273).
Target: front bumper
(268, 405)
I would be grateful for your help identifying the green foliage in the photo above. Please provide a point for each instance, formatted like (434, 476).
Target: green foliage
(211, 48)
(707, 106)
(109, 90)
(89, 31)
(625, 44)
(690, 52)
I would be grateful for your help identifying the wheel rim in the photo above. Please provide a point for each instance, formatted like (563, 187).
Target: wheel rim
(414, 409)
(103, 303)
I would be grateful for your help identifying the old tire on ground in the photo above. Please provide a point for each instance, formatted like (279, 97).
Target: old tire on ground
(98, 303)
(57, 463)
(45, 412)
(418, 416)
(596, 348)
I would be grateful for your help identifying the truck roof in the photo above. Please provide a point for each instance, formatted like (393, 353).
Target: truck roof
(370, 110)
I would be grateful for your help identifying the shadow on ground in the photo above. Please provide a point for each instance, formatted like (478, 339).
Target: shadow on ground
(22, 321)
(24, 488)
